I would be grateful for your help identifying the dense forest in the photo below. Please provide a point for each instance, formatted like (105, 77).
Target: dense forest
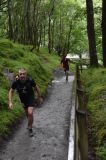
(67, 26)
(44, 30)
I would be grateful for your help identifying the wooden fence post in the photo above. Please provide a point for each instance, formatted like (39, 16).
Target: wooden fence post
(81, 119)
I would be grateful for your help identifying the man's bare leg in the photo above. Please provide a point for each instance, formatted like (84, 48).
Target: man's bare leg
(30, 117)
(66, 76)
(26, 112)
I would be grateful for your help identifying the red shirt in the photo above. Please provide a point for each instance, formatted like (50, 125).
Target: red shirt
(65, 61)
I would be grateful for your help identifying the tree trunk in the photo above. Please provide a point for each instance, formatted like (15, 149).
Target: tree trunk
(49, 35)
(69, 35)
(91, 34)
(52, 2)
(44, 35)
(104, 31)
(28, 22)
(39, 38)
(53, 26)
(10, 19)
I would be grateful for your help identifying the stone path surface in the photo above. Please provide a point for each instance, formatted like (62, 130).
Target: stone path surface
(51, 127)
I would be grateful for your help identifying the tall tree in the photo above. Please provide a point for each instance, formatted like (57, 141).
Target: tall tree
(50, 14)
(104, 31)
(49, 23)
(91, 34)
(9, 5)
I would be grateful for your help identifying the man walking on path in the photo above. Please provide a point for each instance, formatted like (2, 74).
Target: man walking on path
(52, 127)
(25, 86)
(65, 66)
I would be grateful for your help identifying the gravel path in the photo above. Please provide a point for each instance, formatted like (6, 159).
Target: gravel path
(51, 127)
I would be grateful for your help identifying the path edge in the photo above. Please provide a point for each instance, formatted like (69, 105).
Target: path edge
(71, 139)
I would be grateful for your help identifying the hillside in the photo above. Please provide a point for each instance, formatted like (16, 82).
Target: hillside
(40, 67)
(94, 81)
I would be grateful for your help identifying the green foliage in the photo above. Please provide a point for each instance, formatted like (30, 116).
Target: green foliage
(68, 23)
(101, 151)
(40, 67)
(94, 81)
(3, 24)
(8, 119)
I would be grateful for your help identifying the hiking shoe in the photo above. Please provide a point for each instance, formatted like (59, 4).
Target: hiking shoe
(31, 132)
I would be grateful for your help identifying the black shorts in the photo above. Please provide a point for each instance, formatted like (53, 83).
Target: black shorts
(30, 103)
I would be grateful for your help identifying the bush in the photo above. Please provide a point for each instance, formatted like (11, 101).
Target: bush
(94, 81)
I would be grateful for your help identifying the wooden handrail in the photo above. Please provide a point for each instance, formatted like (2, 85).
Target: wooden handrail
(81, 113)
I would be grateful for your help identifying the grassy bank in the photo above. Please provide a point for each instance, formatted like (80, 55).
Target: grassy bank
(40, 67)
(95, 83)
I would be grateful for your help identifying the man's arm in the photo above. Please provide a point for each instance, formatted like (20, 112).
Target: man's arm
(61, 64)
(11, 91)
(38, 93)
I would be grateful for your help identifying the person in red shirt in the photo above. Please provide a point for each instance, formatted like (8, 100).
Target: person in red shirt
(65, 66)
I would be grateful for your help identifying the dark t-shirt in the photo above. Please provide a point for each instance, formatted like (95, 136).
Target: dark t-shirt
(24, 89)
(65, 61)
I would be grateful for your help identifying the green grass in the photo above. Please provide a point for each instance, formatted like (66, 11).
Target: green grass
(94, 81)
(40, 66)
